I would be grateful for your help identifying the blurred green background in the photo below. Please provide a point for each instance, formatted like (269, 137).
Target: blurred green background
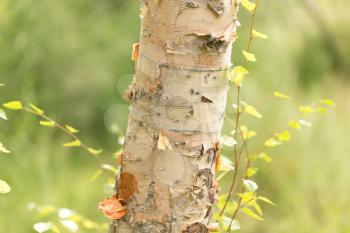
(72, 58)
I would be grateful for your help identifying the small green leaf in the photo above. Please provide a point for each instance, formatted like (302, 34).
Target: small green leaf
(75, 143)
(272, 142)
(294, 124)
(281, 95)
(283, 136)
(251, 214)
(328, 102)
(54, 228)
(4, 187)
(13, 105)
(248, 5)
(71, 129)
(1, 84)
(3, 114)
(36, 109)
(47, 123)
(96, 175)
(249, 56)
(252, 111)
(250, 185)
(265, 199)
(259, 34)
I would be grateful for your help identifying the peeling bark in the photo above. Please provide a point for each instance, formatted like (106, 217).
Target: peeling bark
(178, 99)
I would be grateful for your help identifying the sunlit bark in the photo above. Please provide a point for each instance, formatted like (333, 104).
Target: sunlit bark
(178, 99)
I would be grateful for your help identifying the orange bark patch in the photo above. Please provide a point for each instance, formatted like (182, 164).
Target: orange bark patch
(217, 157)
(112, 208)
(127, 185)
(135, 52)
(120, 158)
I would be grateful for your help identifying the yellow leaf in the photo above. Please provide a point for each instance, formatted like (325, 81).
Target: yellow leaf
(259, 35)
(71, 129)
(251, 214)
(95, 151)
(252, 171)
(283, 136)
(328, 102)
(163, 142)
(47, 123)
(249, 56)
(265, 199)
(257, 207)
(272, 142)
(248, 5)
(306, 109)
(252, 111)
(75, 143)
(4, 187)
(36, 109)
(294, 124)
(281, 95)
(249, 134)
(13, 105)
(263, 156)
(237, 75)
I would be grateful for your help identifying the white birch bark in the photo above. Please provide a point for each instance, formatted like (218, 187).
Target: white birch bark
(178, 99)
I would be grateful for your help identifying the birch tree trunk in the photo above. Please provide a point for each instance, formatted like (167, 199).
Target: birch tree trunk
(178, 99)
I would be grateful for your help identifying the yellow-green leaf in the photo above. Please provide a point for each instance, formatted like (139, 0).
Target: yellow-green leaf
(249, 56)
(294, 124)
(13, 105)
(237, 75)
(4, 187)
(250, 185)
(3, 149)
(264, 157)
(252, 111)
(272, 142)
(96, 175)
(47, 123)
(306, 109)
(249, 134)
(328, 102)
(248, 5)
(36, 109)
(95, 151)
(283, 136)
(265, 199)
(1, 84)
(259, 34)
(54, 228)
(281, 95)
(3, 114)
(75, 143)
(251, 214)
(257, 207)
(71, 129)
(252, 171)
